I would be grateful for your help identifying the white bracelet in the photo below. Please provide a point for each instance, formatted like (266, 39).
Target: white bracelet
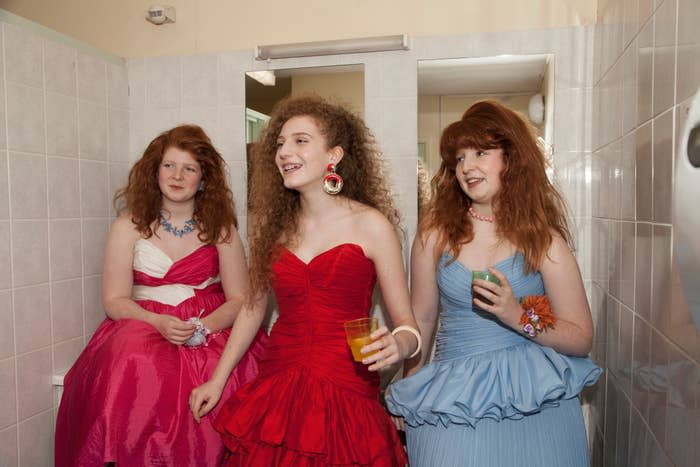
(413, 331)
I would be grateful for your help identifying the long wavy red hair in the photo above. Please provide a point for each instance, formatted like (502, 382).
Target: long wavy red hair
(141, 198)
(527, 209)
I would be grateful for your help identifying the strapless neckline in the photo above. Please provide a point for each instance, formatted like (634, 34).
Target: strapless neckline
(330, 250)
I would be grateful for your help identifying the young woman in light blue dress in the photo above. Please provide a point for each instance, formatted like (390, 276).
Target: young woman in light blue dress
(495, 394)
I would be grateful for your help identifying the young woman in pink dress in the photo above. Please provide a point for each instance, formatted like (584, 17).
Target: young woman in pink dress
(173, 283)
(321, 249)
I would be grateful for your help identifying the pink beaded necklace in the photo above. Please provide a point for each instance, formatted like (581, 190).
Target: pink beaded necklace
(479, 216)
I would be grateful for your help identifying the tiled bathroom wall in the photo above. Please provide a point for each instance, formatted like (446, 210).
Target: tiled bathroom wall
(64, 147)
(73, 122)
(647, 65)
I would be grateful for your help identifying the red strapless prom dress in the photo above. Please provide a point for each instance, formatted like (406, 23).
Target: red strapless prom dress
(311, 404)
(125, 399)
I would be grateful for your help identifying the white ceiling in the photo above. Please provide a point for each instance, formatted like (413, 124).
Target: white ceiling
(486, 75)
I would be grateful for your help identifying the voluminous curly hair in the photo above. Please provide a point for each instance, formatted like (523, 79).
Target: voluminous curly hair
(274, 208)
(214, 210)
(528, 207)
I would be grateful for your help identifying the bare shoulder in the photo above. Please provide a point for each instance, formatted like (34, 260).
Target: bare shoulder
(559, 253)
(234, 239)
(373, 223)
(123, 226)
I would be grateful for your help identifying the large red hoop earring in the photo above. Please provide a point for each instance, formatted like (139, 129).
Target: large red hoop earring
(332, 182)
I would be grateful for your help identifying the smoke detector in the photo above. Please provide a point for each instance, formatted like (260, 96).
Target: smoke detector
(160, 14)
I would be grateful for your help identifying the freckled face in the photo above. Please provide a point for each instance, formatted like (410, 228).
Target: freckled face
(179, 175)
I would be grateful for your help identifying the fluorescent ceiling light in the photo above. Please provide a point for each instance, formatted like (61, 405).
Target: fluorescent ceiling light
(342, 46)
(264, 77)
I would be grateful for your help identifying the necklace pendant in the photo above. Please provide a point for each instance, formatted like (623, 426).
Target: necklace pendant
(168, 227)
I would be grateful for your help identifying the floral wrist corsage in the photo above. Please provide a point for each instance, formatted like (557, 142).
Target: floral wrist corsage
(537, 315)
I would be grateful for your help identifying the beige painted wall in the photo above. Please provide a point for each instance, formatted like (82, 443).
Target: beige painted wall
(345, 88)
(216, 25)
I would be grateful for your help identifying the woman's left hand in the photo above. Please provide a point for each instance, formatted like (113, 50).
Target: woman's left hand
(503, 303)
(387, 348)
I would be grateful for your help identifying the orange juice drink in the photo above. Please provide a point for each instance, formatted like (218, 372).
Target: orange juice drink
(358, 333)
(356, 344)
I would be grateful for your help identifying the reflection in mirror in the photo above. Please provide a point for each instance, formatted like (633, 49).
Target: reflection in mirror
(447, 88)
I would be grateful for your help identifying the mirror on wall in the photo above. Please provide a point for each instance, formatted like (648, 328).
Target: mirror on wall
(446, 89)
(263, 89)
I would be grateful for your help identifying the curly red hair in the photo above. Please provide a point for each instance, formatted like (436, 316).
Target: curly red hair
(214, 210)
(274, 208)
(528, 208)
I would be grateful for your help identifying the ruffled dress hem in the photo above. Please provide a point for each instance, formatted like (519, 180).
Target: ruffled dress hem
(508, 383)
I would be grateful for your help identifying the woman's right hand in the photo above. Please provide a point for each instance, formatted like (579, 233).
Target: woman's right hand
(174, 330)
(204, 398)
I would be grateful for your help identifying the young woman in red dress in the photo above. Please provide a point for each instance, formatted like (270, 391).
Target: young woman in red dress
(321, 250)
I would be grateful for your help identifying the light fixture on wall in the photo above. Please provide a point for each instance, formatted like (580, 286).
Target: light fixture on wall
(264, 77)
(335, 47)
(535, 109)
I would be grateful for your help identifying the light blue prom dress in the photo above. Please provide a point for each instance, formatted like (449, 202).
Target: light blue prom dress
(491, 397)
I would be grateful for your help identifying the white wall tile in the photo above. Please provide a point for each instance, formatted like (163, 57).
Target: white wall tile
(93, 131)
(627, 178)
(8, 446)
(118, 178)
(136, 75)
(34, 377)
(30, 254)
(67, 309)
(92, 298)
(94, 183)
(25, 118)
(399, 131)
(4, 187)
(643, 167)
(28, 188)
(238, 183)
(23, 56)
(3, 133)
(571, 122)
(60, 63)
(64, 188)
(7, 326)
(94, 237)
(92, 79)
(232, 68)
(118, 124)
(663, 167)
(61, 125)
(688, 60)
(163, 82)
(231, 133)
(664, 56)
(66, 249)
(32, 328)
(117, 86)
(398, 76)
(66, 353)
(199, 80)
(630, 89)
(645, 71)
(157, 121)
(36, 440)
(5, 255)
(8, 401)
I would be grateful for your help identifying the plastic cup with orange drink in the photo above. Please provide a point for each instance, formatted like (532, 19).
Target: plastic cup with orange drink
(358, 333)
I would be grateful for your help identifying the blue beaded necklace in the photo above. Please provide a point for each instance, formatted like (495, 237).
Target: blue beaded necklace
(168, 227)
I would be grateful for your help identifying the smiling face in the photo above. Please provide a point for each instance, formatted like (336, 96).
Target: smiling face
(479, 173)
(303, 155)
(179, 175)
